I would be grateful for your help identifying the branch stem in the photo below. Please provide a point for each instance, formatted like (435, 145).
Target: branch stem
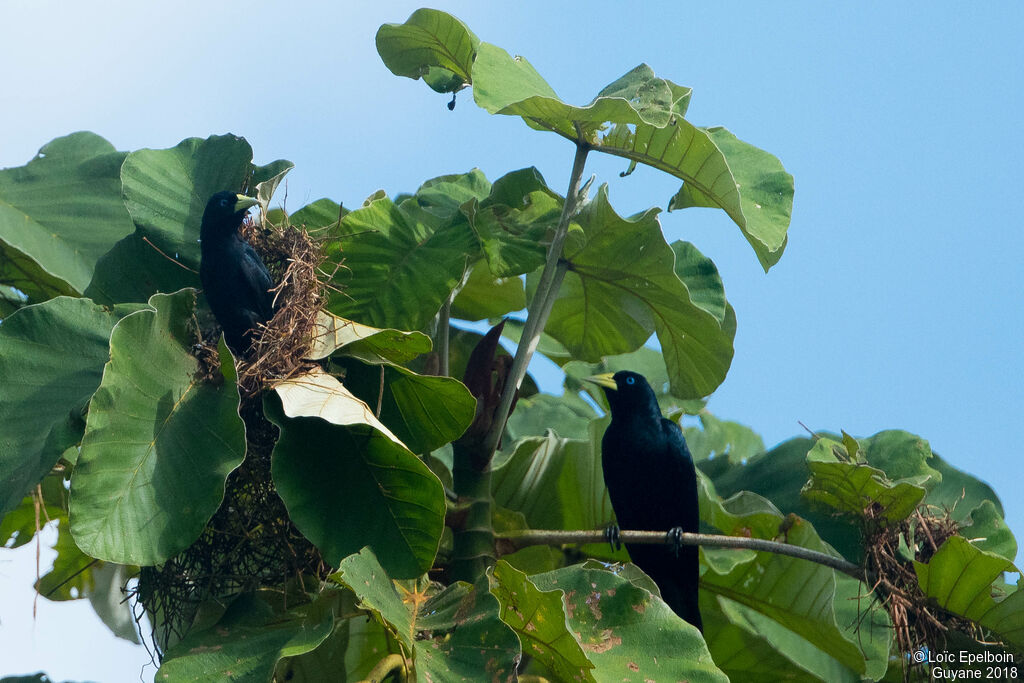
(522, 539)
(543, 300)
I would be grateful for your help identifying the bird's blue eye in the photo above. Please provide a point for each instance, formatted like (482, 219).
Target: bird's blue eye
(631, 380)
(223, 202)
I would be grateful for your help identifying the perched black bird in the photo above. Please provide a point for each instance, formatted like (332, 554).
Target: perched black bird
(236, 283)
(653, 486)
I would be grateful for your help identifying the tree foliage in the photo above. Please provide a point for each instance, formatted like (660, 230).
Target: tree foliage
(121, 424)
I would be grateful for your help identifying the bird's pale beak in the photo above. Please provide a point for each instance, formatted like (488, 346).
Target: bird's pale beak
(603, 380)
(242, 202)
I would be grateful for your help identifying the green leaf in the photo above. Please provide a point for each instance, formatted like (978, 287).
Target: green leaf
(159, 442)
(320, 214)
(431, 45)
(25, 281)
(700, 275)
(51, 358)
(264, 180)
(797, 594)
(455, 634)
(555, 483)
(506, 85)
(901, 455)
(369, 344)
(247, 642)
(424, 411)
(851, 487)
(63, 211)
(621, 286)
(626, 632)
(401, 263)
(514, 222)
(960, 578)
(988, 531)
(348, 484)
(538, 618)
(166, 190)
(133, 270)
(752, 648)
(349, 654)
(567, 415)
(443, 196)
(751, 186)
(484, 296)
(646, 361)
(722, 438)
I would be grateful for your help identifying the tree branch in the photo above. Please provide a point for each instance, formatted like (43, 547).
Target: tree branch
(543, 299)
(522, 539)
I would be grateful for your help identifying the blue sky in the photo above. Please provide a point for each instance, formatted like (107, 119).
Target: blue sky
(899, 302)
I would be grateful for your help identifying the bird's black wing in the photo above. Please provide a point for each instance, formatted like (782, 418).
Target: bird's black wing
(257, 279)
(681, 472)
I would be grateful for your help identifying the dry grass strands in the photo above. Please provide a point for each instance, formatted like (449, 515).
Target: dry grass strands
(279, 347)
(916, 622)
(250, 542)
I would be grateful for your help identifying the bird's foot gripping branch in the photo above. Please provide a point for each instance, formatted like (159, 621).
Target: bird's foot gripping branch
(272, 502)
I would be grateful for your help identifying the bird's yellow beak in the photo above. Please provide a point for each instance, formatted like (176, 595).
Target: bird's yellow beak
(603, 380)
(242, 202)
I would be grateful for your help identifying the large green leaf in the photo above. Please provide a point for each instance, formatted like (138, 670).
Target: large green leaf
(370, 344)
(621, 286)
(646, 361)
(960, 577)
(401, 263)
(567, 415)
(24, 281)
(63, 210)
(424, 411)
(484, 296)
(722, 438)
(513, 223)
(431, 45)
(134, 270)
(700, 275)
(166, 190)
(503, 84)
(751, 185)
(348, 483)
(347, 656)
(51, 358)
(247, 642)
(538, 618)
(797, 594)
(159, 441)
(555, 482)
(757, 650)
(852, 487)
(454, 634)
(627, 633)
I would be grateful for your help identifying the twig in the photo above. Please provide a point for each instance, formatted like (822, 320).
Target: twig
(443, 328)
(172, 260)
(521, 539)
(543, 299)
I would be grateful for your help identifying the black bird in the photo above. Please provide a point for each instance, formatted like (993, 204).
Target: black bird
(653, 486)
(236, 283)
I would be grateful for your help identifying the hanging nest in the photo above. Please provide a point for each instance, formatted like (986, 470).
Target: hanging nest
(917, 622)
(250, 542)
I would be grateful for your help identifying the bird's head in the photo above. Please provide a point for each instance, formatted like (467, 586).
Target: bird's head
(224, 212)
(628, 393)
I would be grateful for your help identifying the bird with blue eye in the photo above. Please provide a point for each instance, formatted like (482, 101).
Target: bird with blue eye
(235, 280)
(652, 484)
